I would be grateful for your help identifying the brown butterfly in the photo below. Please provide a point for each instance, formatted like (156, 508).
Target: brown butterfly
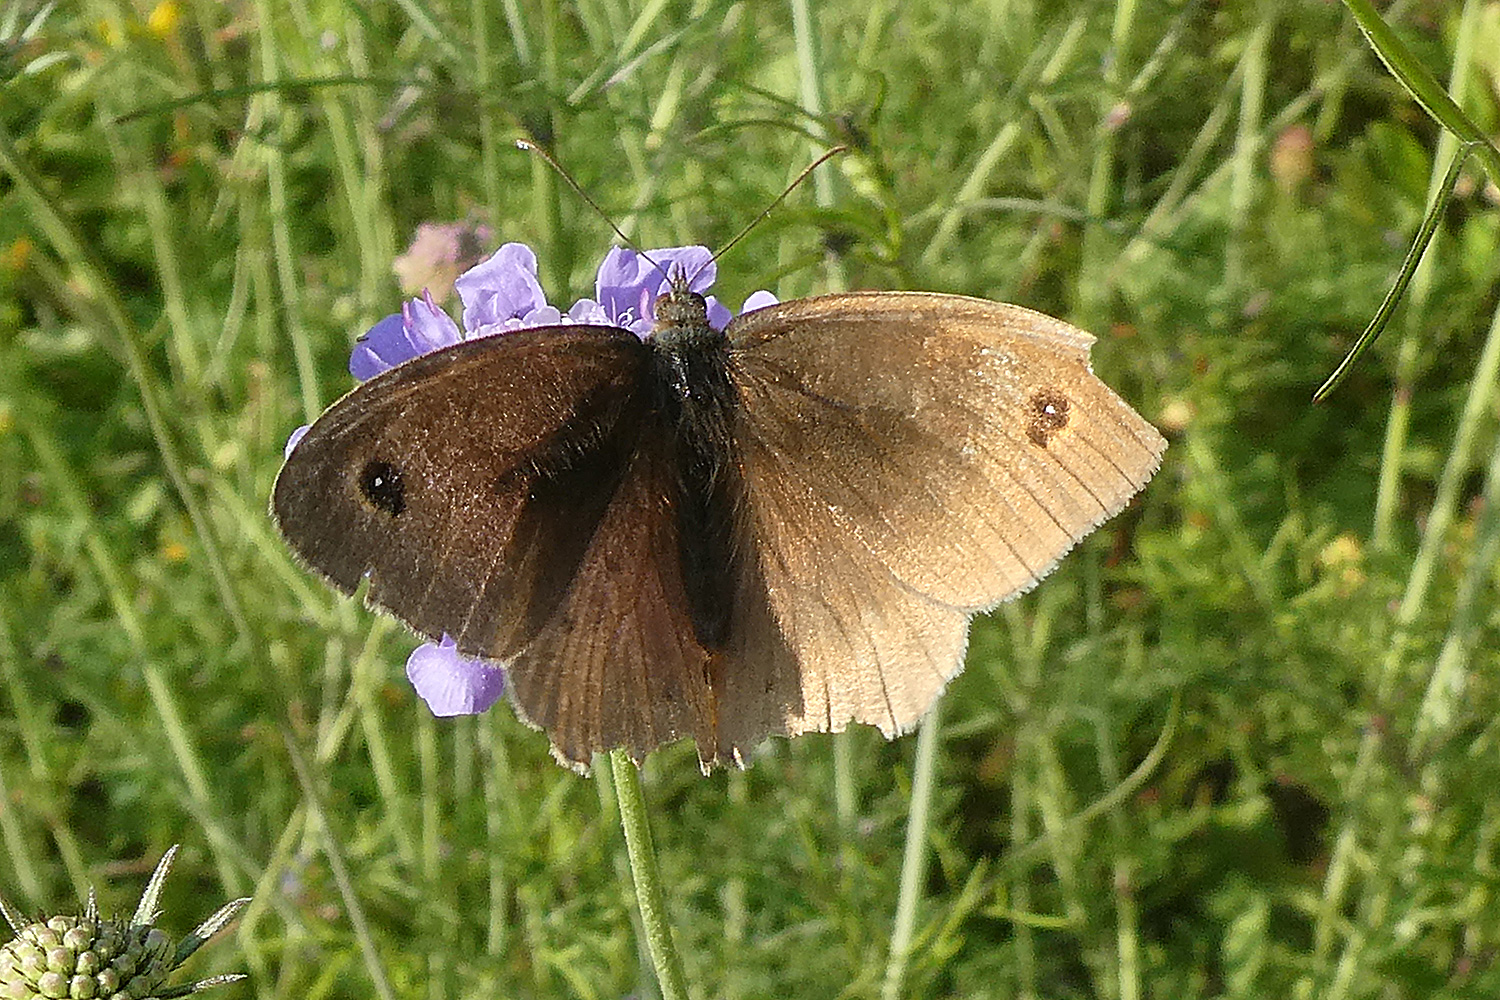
(777, 528)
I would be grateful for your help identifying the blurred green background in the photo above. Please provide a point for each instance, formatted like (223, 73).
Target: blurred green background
(1241, 744)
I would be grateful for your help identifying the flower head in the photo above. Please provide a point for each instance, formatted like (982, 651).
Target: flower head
(502, 293)
(629, 284)
(86, 956)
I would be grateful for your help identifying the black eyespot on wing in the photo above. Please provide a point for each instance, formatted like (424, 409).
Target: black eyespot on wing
(381, 486)
(1049, 414)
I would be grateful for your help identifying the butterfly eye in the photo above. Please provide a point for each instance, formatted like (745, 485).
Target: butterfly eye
(1049, 414)
(380, 484)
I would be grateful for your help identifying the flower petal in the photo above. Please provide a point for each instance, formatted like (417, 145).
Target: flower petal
(589, 312)
(628, 283)
(618, 285)
(545, 316)
(696, 262)
(759, 300)
(420, 327)
(501, 288)
(291, 442)
(718, 313)
(452, 684)
(428, 327)
(381, 348)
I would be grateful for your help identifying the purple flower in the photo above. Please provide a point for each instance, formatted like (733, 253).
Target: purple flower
(291, 442)
(451, 683)
(499, 295)
(502, 293)
(757, 300)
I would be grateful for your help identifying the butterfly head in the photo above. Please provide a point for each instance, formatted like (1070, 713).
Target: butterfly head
(680, 310)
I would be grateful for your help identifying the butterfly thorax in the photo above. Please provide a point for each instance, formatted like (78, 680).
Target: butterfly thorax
(690, 354)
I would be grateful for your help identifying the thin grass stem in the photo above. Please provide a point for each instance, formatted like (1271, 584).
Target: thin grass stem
(1393, 449)
(337, 866)
(1421, 84)
(914, 854)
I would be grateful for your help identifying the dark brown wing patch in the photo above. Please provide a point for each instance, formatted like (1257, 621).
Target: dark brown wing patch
(617, 663)
(1049, 414)
(466, 483)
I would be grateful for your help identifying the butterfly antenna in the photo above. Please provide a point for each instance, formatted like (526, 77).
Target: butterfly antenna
(532, 147)
(815, 164)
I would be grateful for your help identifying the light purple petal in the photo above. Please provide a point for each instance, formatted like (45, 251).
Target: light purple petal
(428, 328)
(622, 276)
(628, 283)
(545, 316)
(452, 684)
(381, 348)
(420, 327)
(501, 288)
(589, 312)
(758, 300)
(718, 313)
(291, 442)
(621, 268)
(695, 262)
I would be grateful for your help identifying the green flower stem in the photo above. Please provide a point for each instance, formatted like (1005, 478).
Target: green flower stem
(914, 855)
(647, 876)
(1421, 84)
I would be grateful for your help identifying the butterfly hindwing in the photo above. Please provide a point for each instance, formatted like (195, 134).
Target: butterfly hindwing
(618, 664)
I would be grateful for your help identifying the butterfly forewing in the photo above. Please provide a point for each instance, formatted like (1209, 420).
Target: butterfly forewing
(965, 443)
(463, 486)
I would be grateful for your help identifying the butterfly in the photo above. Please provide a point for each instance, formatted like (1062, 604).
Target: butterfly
(778, 527)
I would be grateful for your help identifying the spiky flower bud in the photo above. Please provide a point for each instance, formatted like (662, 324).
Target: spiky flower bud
(86, 957)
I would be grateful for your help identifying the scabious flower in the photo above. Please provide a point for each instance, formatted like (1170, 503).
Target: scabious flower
(86, 956)
(499, 295)
(419, 327)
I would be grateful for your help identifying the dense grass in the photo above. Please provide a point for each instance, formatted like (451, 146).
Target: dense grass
(1298, 616)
